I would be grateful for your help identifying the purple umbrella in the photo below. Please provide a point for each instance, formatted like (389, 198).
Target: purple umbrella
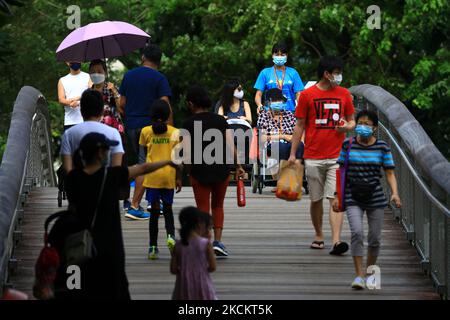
(100, 40)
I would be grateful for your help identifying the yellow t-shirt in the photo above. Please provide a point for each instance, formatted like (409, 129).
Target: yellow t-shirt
(159, 148)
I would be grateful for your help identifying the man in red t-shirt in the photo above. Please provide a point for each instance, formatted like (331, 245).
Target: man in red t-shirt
(325, 112)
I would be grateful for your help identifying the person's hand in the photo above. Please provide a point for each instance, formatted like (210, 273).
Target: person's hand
(396, 200)
(291, 160)
(259, 109)
(343, 126)
(111, 86)
(335, 205)
(74, 104)
(179, 185)
(240, 172)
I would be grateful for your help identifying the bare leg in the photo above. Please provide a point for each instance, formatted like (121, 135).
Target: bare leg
(336, 220)
(371, 260)
(358, 261)
(218, 234)
(138, 192)
(316, 211)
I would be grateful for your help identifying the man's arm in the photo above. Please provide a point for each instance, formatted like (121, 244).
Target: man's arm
(67, 163)
(62, 95)
(296, 138)
(116, 159)
(166, 98)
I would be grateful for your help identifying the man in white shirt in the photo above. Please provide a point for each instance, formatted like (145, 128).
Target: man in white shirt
(70, 88)
(92, 112)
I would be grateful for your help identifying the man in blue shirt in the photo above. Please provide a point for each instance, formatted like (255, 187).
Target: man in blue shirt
(279, 76)
(140, 87)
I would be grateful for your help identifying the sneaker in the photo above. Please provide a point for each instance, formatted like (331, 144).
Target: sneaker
(219, 249)
(170, 243)
(359, 283)
(136, 214)
(126, 205)
(153, 253)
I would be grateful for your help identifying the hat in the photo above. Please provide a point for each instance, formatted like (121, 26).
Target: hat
(275, 94)
(94, 141)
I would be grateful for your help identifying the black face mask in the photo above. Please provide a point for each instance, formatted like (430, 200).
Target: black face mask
(75, 66)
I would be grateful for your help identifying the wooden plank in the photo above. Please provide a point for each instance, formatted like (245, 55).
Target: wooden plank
(270, 257)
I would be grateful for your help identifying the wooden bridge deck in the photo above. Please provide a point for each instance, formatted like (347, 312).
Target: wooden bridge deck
(269, 254)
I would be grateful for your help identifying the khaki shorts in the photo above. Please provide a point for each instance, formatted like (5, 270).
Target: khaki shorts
(321, 175)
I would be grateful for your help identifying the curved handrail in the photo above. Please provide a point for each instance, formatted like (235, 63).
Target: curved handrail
(424, 181)
(420, 147)
(27, 161)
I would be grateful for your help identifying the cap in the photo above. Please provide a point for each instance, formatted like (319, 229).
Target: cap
(96, 140)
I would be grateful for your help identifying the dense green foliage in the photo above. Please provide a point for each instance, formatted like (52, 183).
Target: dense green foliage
(206, 42)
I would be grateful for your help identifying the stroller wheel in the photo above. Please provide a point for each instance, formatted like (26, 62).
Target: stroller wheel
(59, 199)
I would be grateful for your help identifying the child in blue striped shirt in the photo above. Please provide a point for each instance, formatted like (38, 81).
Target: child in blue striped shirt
(367, 155)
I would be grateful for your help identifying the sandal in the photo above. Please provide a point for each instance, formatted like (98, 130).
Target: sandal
(339, 248)
(317, 245)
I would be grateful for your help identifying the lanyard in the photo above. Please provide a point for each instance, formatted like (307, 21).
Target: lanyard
(282, 80)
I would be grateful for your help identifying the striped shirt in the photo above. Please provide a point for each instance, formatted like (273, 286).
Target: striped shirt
(364, 166)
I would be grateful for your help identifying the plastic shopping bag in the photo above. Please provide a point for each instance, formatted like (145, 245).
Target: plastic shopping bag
(290, 182)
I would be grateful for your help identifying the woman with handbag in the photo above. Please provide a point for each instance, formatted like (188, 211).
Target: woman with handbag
(363, 157)
(93, 194)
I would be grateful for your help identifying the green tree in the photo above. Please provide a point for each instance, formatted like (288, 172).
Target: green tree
(207, 42)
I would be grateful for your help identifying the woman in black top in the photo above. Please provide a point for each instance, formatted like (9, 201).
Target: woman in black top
(209, 171)
(104, 276)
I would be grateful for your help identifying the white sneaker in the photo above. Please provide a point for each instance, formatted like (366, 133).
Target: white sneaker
(359, 283)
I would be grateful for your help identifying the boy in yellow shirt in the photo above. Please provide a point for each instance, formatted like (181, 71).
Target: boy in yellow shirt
(157, 142)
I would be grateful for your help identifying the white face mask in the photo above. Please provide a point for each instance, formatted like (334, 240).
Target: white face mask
(337, 79)
(239, 94)
(97, 78)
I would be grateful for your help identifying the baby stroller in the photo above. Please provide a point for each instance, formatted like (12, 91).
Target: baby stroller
(262, 168)
(266, 164)
(61, 175)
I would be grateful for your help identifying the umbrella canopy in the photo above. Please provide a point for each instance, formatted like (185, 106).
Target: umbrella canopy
(100, 40)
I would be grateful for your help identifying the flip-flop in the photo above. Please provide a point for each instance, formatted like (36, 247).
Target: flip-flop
(339, 248)
(318, 245)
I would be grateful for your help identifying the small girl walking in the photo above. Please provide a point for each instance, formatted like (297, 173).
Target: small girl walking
(156, 143)
(193, 257)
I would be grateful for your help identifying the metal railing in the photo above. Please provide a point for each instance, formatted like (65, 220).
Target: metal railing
(423, 178)
(27, 162)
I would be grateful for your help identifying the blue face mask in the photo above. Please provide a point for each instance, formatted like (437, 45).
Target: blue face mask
(278, 106)
(364, 131)
(280, 60)
(75, 66)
